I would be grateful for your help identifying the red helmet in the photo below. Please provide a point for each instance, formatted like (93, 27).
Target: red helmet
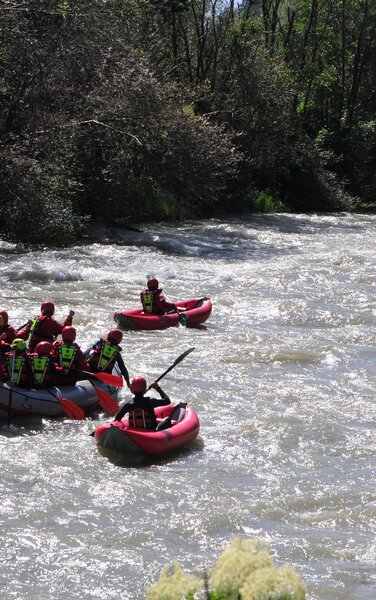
(4, 314)
(43, 348)
(116, 335)
(138, 384)
(68, 334)
(152, 283)
(47, 306)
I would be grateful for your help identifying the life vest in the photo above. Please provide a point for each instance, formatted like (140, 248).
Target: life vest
(141, 419)
(67, 354)
(147, 298)
(32, 328)
(39, 365)
(34, 331)
(107, 355)
(15, 363)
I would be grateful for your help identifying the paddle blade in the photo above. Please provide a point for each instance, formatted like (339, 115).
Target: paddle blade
(114, 380)
(106, 401)
(183, 319)
(71, 409)
(177, 361)
(182, 356)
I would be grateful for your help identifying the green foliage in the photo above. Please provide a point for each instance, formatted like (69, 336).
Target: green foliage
(37, 208)
(265, 203)
(244, 571)
(174, 108)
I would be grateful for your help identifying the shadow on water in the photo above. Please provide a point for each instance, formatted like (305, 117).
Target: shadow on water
(121, 459)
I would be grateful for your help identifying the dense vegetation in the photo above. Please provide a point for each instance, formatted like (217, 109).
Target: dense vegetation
(126, 110)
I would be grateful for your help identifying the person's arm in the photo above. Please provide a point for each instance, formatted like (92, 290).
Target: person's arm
(68, 321)
(23, 334)
(163, 304)
(11, 334)
(124, 409)
(58, 327)
(123, 369)
(164, 398)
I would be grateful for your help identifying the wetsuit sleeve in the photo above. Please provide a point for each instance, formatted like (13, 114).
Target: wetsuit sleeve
(124, 409)
(162, 303)
(123, 368)
(4, 347)
(11, 334)
(24, 333)
(57, 328)
(163, 401)
(68, 321)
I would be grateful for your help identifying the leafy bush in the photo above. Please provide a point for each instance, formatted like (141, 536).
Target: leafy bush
(244, 571)
(36, 207)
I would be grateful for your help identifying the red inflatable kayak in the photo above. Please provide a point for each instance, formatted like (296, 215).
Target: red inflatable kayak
(182, 427)
(197, 311)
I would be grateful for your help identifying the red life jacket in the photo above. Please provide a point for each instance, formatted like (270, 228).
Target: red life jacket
(141, 419)
(40, 331)
(149, 302)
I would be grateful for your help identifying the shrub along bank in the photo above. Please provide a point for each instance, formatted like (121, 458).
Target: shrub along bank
(122, 112)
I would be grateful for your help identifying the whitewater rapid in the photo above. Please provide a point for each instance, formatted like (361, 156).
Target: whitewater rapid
(282, 378)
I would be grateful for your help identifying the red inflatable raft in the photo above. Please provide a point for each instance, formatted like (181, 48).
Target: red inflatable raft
(197, 311)
(182, 427)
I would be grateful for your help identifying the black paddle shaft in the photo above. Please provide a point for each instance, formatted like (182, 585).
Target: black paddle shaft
(177, 361)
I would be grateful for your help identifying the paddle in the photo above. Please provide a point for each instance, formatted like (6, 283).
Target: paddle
(114, 380)
(9, 406)
(10, 388)
(70, 408)
(177, 361)
(22, 326)
(109, 405)
(183, 319)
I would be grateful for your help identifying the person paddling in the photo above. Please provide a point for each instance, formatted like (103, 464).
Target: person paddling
(154, 301)
(69, 357)
(15, 369)
(43, 367)
(141, 409)
(104, 354)
(44, 328)
(7, 332)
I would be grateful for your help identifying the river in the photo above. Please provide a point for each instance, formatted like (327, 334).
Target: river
(282, 378)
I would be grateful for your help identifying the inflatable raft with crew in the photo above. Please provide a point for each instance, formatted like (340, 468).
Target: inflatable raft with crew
(40, 375)
(159, 313)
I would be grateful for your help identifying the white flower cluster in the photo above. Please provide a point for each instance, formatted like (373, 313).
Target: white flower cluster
(244, 571)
